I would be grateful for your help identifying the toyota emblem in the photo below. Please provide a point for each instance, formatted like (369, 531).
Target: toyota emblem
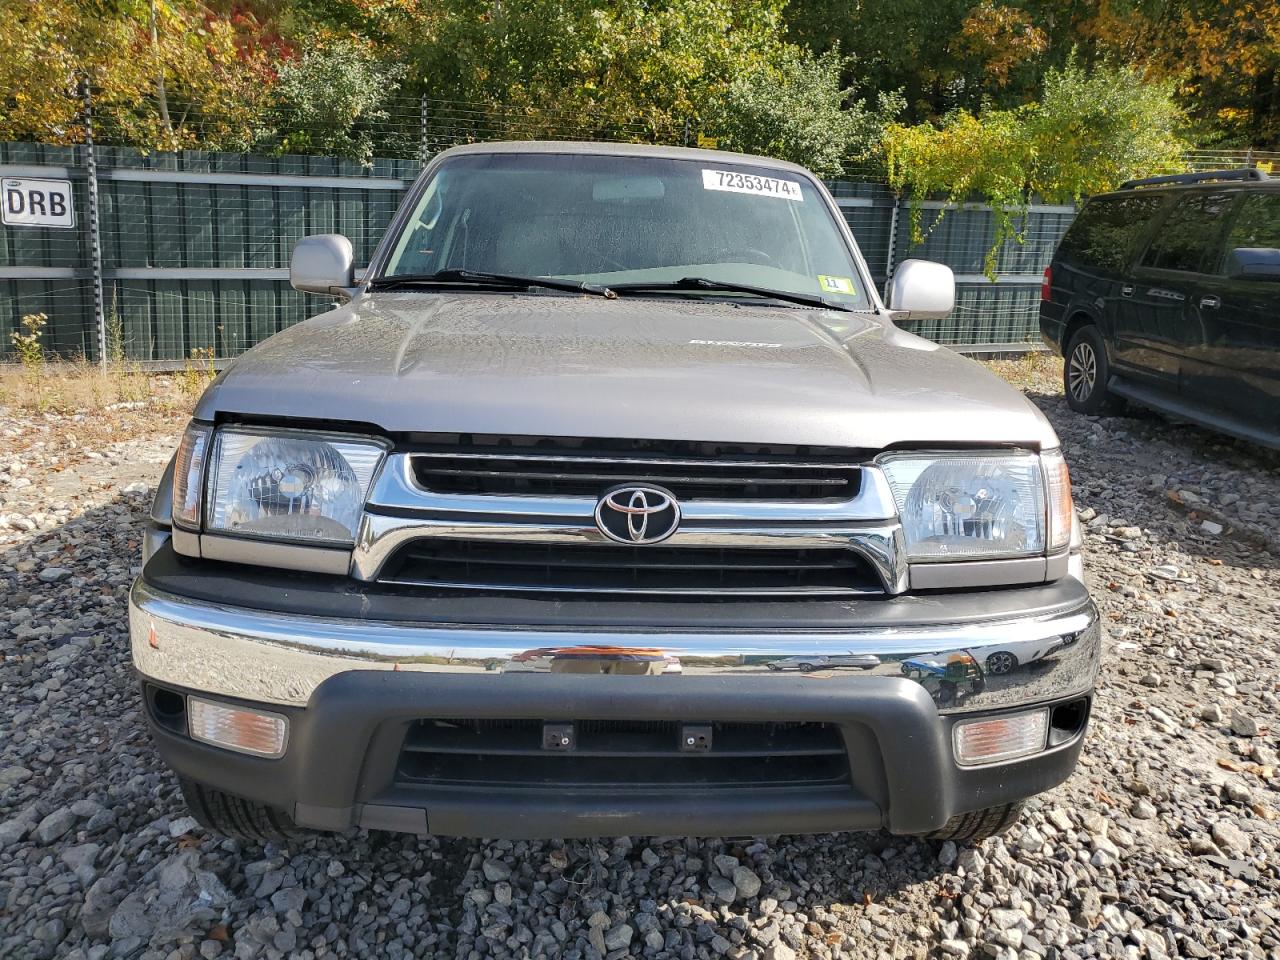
(638, 514)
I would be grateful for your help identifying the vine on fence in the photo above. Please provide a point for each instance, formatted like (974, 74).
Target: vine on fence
(1089, 132)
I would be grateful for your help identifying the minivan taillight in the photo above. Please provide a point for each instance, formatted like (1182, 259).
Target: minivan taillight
(1047, 283)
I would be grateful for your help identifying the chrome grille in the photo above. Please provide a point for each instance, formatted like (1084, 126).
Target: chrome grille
(518, 514)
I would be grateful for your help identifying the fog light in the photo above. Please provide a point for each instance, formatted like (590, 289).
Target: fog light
(1000, 738)
(237, 728)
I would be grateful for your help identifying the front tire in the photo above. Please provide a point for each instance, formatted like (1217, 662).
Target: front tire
(236, 817)
(980, 824)
(1085, 372)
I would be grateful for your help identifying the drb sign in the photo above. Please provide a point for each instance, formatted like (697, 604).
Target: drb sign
(38, 203)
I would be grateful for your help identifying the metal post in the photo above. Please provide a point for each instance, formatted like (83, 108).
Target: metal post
(424, 150)
(893, 239)
(95, 228)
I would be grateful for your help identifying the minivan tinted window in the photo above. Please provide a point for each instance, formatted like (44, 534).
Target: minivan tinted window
(1107, 229)
(1188, 238)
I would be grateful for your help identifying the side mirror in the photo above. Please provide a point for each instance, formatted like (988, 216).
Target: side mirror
(322, 264)
(922, 290)
(1253, 263)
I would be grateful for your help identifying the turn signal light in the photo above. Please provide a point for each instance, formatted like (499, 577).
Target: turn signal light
(237, 728)
(1000, 738)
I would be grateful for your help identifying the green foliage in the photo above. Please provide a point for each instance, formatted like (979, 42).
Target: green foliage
(638, 69)
(332, 100)
(1092, 130)
(797, 109)
(27, 345)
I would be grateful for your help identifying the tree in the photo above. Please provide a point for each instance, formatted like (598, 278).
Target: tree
(165, 75)
(639, 69)
(332, 100)
(799, 110)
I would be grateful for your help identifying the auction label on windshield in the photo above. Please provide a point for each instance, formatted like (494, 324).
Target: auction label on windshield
(751, 183)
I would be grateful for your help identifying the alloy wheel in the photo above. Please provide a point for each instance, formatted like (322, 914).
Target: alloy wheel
(1001, 663)
(1082, 371)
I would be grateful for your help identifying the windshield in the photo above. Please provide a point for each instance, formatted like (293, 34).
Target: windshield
(622, 220)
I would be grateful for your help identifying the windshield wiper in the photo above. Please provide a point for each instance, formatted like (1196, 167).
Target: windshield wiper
(699, 284)
(489, 280)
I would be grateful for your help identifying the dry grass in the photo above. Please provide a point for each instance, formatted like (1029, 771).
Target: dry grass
(43, 405)
(78, 387)
(1035, 372)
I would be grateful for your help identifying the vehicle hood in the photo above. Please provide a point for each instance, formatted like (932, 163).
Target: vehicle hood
(660, 368)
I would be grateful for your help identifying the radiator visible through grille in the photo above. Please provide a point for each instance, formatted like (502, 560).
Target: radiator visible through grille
(614, 753)
(616, 568)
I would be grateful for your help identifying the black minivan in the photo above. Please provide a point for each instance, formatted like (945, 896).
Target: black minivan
(1167, 293)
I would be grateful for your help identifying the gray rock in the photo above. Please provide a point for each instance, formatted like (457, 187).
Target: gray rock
(182, 901)
(53, 574)
(182, 826)
(81, 860)
(1003, 919)
(11, 776)
(725, 864)
(1227, 835)
(619, 937)
(495, 870)
(948, 853)
(55, 825)
(99, 905)
(725, 890)
(1243, 725)
(12, 831)
(745, 879)
(1142, 809)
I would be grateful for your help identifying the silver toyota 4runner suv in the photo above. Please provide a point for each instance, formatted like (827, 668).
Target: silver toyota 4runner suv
(613, 500)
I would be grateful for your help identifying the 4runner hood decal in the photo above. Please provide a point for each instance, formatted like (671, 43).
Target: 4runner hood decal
(653, 368)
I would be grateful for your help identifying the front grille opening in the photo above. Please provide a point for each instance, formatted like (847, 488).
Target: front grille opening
(621, 753)
(618, 568)
(547, 466)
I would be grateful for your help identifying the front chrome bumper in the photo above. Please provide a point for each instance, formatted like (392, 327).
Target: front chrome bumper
(282, 658)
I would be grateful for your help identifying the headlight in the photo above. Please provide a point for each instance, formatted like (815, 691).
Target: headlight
(289, 486)
(973, 506)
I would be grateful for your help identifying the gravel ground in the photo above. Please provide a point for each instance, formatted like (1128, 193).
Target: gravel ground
(1164, 843)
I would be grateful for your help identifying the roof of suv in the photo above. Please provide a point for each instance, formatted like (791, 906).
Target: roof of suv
(1245, 178)
(623, 150)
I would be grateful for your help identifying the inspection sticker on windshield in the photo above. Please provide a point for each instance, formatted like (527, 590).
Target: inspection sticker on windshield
(835, 284)
(751, 183)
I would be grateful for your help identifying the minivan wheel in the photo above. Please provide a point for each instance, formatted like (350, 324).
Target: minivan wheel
(236, 817)
(1085, 373)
